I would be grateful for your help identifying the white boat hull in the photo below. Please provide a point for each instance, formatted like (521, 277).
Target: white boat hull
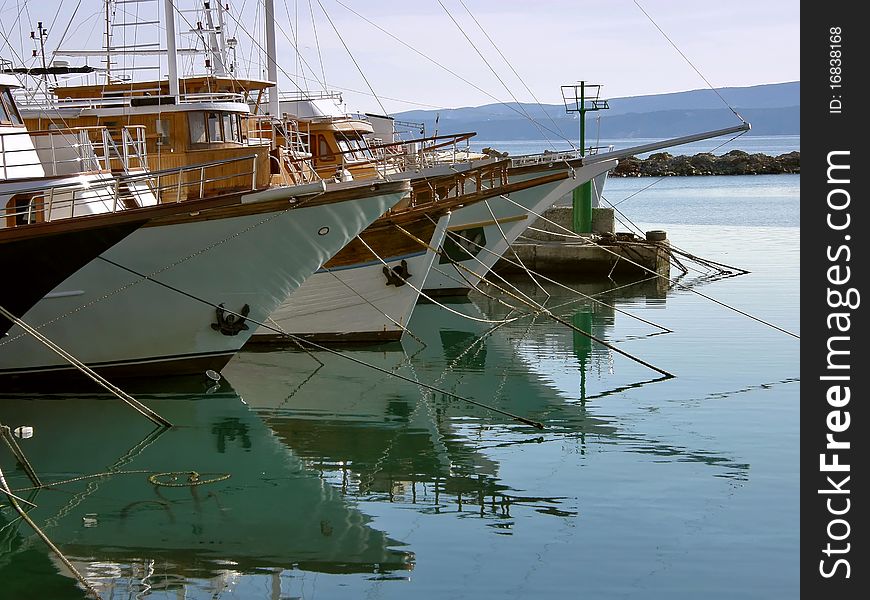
(354, 303)
(496, 230)
(115, 319)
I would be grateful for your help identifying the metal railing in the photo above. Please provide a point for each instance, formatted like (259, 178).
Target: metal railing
(30, 100)
(71, 150)
(423, 153)
(102, 193)
(302, 96)
(547, 156)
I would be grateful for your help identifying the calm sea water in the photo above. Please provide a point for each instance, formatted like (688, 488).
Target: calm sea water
(320, 478)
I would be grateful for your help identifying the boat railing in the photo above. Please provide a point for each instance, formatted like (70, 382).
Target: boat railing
(198, 181)
(303, 95)
(103, 193)
(490, 176)
(63, 151)
(421, 153)
(548, 156)
(48, 153)
(138, 98)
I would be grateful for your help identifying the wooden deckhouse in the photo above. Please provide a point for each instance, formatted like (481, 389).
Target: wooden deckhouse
(212, 118)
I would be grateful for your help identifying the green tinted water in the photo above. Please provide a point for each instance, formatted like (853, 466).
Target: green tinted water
(345, 483)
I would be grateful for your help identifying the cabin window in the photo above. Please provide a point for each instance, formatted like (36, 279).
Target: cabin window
(196, 122)
(231, 128)
(8, 112)
(162, 127)
(324, 152)
(214, 127)
(353, 146)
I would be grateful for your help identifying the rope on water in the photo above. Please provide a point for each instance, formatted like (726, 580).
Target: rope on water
(676, 283)
(87, 371)
(194, 478)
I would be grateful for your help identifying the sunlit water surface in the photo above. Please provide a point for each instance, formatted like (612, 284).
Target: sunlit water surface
(321, 478)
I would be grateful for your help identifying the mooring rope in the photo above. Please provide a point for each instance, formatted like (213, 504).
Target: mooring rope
(87, 371)
(694, 291)
(324, 348)
(403, 328)
(575, 291)
(544, 311)
(4, 487)
(162, 269)
(420, 291)
(512, 251)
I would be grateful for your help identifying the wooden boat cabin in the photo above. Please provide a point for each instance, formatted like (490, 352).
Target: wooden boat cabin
(210, 120)
(62, 172)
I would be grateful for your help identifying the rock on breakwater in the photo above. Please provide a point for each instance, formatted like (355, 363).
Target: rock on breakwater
(736, 162)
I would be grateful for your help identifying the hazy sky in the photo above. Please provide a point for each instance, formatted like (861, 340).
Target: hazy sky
(548, 43)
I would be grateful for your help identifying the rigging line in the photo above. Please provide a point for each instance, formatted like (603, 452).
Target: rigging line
(578, 292)
(298, 345)
(256, 44)
(672, 247)
(544, 311)
(694, 291)
(593, 297)
(21, 8)
(4, 487)
(643, 189)
(328, 18)
(511, 248)
(672, 250)
(701, 75)
(317, 43)
(324, 348)
(294, 43)
(166, 267)
(504, 85)
(420, 291)
(437, 64)
(480, 278)
(303, 341)
(508, 63)
(90, 373)
(661, 178)
(370, 303)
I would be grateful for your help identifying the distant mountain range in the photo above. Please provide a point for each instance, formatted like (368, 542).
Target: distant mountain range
(772, 109)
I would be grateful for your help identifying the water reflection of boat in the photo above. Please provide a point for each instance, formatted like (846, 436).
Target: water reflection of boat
(257, 506)
(384, 439)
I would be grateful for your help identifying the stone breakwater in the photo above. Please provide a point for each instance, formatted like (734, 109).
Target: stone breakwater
(736, 162)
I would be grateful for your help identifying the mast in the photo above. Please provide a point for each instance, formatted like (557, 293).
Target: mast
(216, 39)
(108, 43)
(171, 50)
(271, 66)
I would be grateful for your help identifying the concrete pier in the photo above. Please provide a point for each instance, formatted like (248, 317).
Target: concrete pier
(600, 254)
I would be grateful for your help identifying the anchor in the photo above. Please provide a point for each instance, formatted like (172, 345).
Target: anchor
(397, 275)
(230, 324)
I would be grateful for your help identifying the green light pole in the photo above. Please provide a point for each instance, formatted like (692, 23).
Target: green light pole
(582, 98)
